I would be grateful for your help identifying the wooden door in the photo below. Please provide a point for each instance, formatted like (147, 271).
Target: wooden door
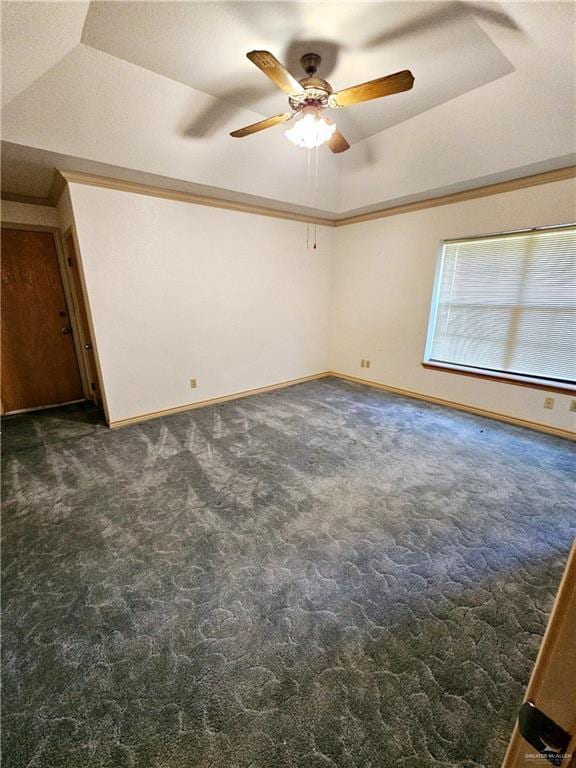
(82, 316)
(552, 689)
(39, 363)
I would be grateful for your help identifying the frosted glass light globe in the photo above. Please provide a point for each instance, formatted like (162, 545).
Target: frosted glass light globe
(310, 131)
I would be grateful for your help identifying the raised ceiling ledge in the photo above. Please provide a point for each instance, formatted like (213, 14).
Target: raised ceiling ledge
(522, 182)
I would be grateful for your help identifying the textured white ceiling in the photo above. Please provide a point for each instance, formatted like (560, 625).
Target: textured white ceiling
(35, 36)
(203, 45)
(155, 88)
(95, 106)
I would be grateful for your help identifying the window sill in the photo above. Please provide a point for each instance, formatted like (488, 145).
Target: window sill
(503, 378)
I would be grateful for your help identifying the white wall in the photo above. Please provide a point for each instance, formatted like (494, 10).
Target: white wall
(382, 284)
(180, 291)
(23, 213)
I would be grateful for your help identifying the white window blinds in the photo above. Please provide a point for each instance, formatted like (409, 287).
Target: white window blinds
(507, 304)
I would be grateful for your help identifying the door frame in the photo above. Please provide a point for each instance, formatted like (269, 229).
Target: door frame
(68, 295)
(92, 368)
(548, 655)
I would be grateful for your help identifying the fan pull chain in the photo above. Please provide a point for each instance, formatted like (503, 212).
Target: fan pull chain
(309, 196)
(316, 198)
(313, 165)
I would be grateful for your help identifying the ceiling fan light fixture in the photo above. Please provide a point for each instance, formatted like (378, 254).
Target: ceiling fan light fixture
(309, 96)
(310, 130)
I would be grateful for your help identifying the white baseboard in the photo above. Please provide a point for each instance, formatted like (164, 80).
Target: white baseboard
(214, 401)
(461, 407)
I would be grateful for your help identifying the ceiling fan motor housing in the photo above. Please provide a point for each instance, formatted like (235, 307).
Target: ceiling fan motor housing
(317, 90)
(313, 94)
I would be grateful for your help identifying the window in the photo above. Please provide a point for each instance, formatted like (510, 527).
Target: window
(505, 306)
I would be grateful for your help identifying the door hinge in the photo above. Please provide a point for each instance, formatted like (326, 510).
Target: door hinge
(541, 732)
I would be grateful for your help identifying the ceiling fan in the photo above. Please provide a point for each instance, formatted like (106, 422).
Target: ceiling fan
(310, 96)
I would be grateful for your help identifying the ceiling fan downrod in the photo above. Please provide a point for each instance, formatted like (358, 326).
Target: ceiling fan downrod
(310, 63)
(314, 93)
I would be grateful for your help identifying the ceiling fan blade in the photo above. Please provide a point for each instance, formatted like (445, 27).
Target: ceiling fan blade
(337, 143)
(276, 72)
(374, 89)
(261, 125)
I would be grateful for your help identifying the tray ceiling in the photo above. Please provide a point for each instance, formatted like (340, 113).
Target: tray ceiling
(203, 45)
(153, 89)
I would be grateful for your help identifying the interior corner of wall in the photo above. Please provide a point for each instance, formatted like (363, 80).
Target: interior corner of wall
(65, 209)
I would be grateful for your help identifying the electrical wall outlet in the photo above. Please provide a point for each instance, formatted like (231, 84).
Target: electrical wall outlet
(362, 363)
(573, 405)
(367, 363)
(193, 384)
(549, 402)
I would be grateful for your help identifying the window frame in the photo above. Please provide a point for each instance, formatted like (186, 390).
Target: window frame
(553, 385)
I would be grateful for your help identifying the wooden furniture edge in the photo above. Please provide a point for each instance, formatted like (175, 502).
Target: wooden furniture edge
(215, 400)
(536, 425)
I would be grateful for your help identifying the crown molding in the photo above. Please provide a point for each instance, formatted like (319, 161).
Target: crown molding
(76, 177)
(524, 182)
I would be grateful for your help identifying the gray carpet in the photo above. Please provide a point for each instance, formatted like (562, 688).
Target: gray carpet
(323, 576)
